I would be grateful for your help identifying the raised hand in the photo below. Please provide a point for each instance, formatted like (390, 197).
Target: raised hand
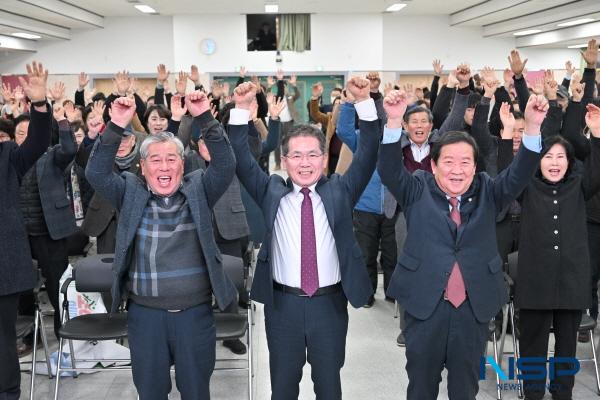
(162, 74)
(122, 111)
(225, 89)
(82, 81)
(181, 83)
(463, 74)
(576, 89)
(347, 97)
(508, 121)
(535, 112)
(592, 119)
(213, 111)
(538, 86)
(489, 81)
(177, 111)
(242, 72)
(270, 82)
(58, 111)
(395, 105)
(438, 68)
(292, 80)
(276, 106)
(516, 64)
(89, 94)
(57, 91)
(570, 68)
(507, 77)
(20, 95)
(98, 107)
(244, 94)
(590, 55)
(7, 93)
(122, 82)
(452, 80)
(374, 81)
(316, 90)
(359, 88)
(194, 75)
(197, 103)
(35, 85)
(550, 85)
(279, 74)
(387, 88)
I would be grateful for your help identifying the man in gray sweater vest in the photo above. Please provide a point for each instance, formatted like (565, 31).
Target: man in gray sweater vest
(166, 261)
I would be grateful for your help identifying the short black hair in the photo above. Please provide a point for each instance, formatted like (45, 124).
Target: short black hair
(99, 96)
(473, 100)
(303, 130)
(8, 127)
(419, 109)
(453, 137)
(160, 109)
(21, 118)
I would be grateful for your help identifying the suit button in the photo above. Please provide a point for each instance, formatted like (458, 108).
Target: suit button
(556, 217)
(554, 192)
(555, 201)
(556, 232)
(555, 247)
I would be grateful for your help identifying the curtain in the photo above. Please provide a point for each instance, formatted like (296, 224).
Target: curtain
(294, 32)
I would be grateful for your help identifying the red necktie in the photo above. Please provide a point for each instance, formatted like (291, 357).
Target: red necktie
(309, 273)
(455, 290)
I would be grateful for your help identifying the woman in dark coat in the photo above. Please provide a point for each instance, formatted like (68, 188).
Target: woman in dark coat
(554, 267)
(16, 268)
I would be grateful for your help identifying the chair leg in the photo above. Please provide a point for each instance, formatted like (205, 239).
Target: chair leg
(495, 346)
(250, 348)
(595, 362)
(516, 353)
(75, 375)
(45, 344)
(58, 361)
(36, 327)
(503, 332)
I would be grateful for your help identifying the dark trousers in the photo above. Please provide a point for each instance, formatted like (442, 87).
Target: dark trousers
(301, 329)
(159, 339)
(594, 246)
(10, 374)
(234, 248)
(53, 258)
(507, 236)
(374, 232)
(106, 241)
(534, 326)
(451, 338)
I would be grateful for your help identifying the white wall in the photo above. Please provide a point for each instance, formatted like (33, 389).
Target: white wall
(340, 43)
(411, 43)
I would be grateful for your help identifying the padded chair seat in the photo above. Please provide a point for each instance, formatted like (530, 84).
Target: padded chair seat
(230, 326)
(95, 327)
(25, 325)
(587, 323)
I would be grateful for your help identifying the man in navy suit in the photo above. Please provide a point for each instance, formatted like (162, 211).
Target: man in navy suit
(310, 264)
(449, 276)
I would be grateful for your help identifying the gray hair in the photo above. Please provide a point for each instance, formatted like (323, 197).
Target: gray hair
(162, 137)
(306, 130)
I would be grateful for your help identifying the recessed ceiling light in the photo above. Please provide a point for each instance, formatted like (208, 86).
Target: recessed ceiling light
(145, 9)
(395, 7)
(577, 22)
(527, 32)
(271, 8)
(577, 46)
(26, 35)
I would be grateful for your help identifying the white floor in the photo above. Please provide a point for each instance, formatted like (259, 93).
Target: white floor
(374, 368)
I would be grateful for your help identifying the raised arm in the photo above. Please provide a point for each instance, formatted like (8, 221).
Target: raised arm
(315, 113)
(402, 185)
(345, 127)
(438, 68)
(517, 66)
(590, 55)
(458, 78)
(66, 149)
(591, 175)
(248, 171)
(220, 172)
(572, 128)
(38, 133)
(365, 158)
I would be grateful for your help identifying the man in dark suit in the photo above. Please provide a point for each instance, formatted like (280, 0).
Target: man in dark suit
(449, 276)
(310, 265)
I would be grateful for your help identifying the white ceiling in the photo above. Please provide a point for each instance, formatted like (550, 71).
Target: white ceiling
(55, 19)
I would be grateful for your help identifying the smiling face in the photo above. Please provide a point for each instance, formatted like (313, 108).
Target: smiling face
(163, 168)
(156, 123)
(554, 164)
(418, 127)
(455, 168)
(304, 160)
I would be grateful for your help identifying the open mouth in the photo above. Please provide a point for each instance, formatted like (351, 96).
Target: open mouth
(554, 172)
(164, 181)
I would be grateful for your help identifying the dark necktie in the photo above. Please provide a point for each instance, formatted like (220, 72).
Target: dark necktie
(455, 290)
(309, 273)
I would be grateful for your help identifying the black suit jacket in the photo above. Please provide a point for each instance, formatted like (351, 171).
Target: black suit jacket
(339, 195)
(434, 243)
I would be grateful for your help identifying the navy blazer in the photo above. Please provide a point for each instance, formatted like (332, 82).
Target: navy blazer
(433, 244)
(339, 194)
(129, 194)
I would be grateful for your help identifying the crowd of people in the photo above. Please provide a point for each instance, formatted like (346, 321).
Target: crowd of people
(457, 176)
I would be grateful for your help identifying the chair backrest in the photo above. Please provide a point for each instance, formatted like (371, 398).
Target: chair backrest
(234, 269)
(513, 262)
(94, 273)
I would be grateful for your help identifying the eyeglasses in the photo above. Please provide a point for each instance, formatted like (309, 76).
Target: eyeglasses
(297, 157)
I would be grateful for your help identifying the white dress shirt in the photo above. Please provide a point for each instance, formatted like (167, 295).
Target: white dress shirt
(419, 152)
(285, 245)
